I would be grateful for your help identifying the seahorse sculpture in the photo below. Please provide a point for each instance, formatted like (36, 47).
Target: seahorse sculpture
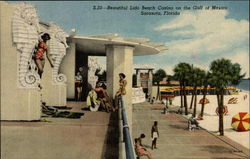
(25, 30)
(57, 47)
(93, 66)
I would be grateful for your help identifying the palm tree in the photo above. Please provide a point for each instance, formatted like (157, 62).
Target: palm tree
(206, 79)
(157, 77)
(236, 76)
(223, 74)
(192, 101)
(196, 76)
(190, 81)
(198, 81)
(181, 72)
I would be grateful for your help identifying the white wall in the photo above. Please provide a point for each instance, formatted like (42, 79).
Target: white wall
(68, 69)
(16, 103)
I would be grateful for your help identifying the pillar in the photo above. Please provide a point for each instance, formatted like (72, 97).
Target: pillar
(68, 69)
(54, 94)
(138, 80)
(150, 82)
(120, 60)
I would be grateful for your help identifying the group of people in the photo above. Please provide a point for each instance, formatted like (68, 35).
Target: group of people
(99, 97)
(141, 148)
(38, 56)
(101, 94)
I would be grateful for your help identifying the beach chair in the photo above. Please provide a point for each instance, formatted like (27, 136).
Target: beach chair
(233, 101)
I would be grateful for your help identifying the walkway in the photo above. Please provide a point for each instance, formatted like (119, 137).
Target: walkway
(176, 142)
(93, 136)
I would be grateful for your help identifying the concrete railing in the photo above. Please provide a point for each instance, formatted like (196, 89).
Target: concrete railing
(138, 96)
(126, 148)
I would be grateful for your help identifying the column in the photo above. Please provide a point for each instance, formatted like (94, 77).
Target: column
(68, 69)
(120, 60)
(138, 80)
(150, 82)
(54, 94)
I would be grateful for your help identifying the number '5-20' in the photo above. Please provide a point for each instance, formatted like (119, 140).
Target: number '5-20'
(97, 7)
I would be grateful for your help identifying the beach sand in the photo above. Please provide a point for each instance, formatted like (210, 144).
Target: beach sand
(211, 119)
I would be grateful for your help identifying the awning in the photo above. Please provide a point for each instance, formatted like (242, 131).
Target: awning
(96, 44)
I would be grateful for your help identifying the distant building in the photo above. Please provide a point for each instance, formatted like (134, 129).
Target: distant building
(145, 79)
(165, 81)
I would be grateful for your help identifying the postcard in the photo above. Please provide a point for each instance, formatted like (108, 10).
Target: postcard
(124, 79)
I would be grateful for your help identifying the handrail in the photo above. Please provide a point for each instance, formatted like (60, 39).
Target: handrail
(129, 148)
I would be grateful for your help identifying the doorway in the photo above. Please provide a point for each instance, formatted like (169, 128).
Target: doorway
(81, 65)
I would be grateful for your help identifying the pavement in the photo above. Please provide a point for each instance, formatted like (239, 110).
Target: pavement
(93, 136)
(176, 141)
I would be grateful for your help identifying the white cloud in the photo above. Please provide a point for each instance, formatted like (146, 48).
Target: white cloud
(169, 70)
(144, 66)
(242, 57)
(178, 22)
(206, 34)
(210, 32)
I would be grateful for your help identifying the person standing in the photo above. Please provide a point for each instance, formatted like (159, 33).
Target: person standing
(154, 134)
(78, 84)
(86, 87)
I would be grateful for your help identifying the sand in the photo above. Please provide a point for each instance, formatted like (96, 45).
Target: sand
(211, 119)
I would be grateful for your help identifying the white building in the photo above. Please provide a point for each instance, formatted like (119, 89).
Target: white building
(20, 96)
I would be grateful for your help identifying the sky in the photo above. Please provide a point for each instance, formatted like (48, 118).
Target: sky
(195, 36)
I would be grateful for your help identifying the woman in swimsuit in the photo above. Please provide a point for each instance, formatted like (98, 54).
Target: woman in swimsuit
(122, 84)
(78, 84)
(39, 54)
(107, 98)
(141, 151)
(101, 96)
(122, 88)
